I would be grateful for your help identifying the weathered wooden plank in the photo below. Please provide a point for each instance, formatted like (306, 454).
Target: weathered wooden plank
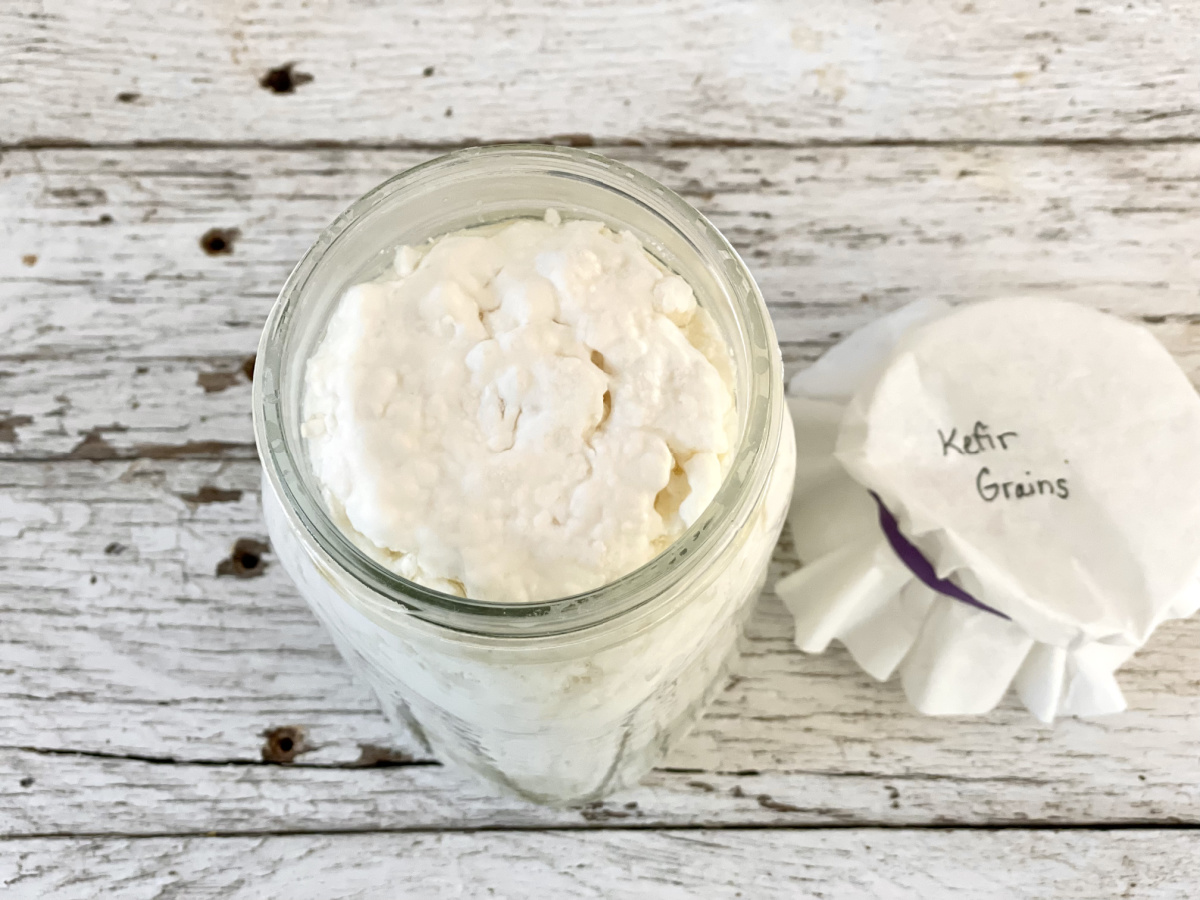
(56, 793)
(897, 865)
(820, 227)
(115, 315)
(46, 794)
(120, 639)
(613, 71)
(92, 406)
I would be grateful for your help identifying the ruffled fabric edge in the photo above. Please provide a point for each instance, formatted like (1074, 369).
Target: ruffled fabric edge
(952, 659)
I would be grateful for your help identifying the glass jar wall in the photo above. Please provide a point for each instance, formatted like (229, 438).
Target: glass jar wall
(559, 701)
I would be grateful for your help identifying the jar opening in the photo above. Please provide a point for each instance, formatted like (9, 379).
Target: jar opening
(481, 186)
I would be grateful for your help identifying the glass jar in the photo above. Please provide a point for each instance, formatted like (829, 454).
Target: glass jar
(567, 700)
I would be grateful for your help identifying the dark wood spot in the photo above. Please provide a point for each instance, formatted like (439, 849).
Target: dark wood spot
(105, 219)
(215, 382)
(128, 97)
(29, 259)
(94, 445)
(114, 549)
(371, 755)
(141, 370)
(210, 494)
(246, 559)
(428, 73)
(736, 791)
(79, 196)
(49, 142)
(193, 450)
(702, 786)
(449, 112)
(574, 140)
(767, 802)
(219, 241)
(598, 812)
(284, 79)
(93, 580)
(284, 744)
(9, 425)
(27, 781)
(1154, 320)
(248, 367)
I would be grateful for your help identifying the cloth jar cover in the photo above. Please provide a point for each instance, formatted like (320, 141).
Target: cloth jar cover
(1005, 493)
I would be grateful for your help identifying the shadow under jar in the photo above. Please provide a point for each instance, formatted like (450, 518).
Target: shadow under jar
(567, 700)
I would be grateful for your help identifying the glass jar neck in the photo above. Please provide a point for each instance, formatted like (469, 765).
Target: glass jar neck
(477, 187)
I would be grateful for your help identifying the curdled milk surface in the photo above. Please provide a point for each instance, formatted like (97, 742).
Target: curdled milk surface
(519, 413)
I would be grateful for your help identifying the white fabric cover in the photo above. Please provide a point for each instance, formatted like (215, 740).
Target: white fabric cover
(1101, 542)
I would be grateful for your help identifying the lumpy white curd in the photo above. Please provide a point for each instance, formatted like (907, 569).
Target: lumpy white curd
(519, 413)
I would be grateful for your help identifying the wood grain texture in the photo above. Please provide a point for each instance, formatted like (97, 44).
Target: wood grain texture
(664, 865)
(137, 684)
(125, 337)
(432, 72)
(159, 686)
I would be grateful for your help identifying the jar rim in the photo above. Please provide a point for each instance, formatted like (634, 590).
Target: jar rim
(743, 485)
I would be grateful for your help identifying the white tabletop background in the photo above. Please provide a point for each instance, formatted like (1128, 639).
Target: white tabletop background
(173, 723)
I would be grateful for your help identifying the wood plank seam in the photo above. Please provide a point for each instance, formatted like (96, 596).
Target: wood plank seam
(599, 146)
(882, 828)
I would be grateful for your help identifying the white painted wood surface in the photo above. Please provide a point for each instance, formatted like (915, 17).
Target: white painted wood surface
(858, 155)
(660, 865)
(114, 311)
(156, 668)
(688, 70)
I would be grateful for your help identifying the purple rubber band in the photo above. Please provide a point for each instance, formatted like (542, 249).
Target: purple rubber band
(920, 566)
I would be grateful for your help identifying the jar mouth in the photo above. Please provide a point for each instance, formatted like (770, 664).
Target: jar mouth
(505, 182)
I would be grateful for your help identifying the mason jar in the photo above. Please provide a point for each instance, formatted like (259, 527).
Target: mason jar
(567, 700)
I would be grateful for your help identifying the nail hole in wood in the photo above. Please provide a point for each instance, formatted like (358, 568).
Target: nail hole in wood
(128, 97)
(246, 559)
(27, 781)
(219, 241)
(284, 79)
(114, 549)
(283, 744)
(428, 73)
